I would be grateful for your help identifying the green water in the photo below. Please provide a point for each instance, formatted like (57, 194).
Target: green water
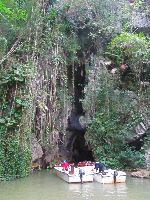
(46, 186)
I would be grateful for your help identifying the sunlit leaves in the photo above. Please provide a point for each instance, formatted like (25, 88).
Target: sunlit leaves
(129, 47)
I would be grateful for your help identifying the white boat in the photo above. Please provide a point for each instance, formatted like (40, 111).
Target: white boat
(110, 176)
(74, 177)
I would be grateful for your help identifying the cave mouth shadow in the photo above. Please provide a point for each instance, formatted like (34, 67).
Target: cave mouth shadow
(81, 150)
(76, 147)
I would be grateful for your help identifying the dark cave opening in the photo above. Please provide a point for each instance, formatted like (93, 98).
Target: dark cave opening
(137, 142)
(81, 150)
(76, 145)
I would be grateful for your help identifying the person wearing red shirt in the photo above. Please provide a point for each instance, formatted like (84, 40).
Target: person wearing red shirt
(65, 165)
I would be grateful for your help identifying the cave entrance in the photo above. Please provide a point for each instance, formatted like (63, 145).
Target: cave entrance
(76, 145)
(81, 150)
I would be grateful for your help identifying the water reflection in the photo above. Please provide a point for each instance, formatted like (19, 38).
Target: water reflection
(46, 186)
(118, 191)
(81, 191)
(92, 191)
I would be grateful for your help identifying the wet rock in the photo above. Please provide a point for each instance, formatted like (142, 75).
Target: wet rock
(141, 174)
(35, 166)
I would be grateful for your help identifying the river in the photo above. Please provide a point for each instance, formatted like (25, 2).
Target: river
(47, 186)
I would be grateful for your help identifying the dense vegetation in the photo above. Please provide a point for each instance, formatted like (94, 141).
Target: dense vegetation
(39, 41)
(118, 102)
(33, 82)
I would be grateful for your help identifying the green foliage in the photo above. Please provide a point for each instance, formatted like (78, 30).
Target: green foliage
(71, 47)
(15, 154)
(132, 159)
(37, 100)
(15, 160)
(11, 11)
(99, 20)
(112, 114)
(3, 46)
(107, 136)
(52, 164)
(15, 15)
(16, 74)
(133, 51)
(129, 48)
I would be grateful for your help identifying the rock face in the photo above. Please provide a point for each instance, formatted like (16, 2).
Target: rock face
(36, 150)
(147, 156)
(140, 131)
(51, 154)
(141, 174)
(141, 19)
(142, 24)
(76, 145)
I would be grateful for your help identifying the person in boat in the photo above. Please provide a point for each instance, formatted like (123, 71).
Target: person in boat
(71, 171)
(81, 173)
(65, 165)
(100, 167)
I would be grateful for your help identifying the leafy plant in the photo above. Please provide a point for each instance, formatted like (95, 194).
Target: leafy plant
(131, 49)
(112, 116)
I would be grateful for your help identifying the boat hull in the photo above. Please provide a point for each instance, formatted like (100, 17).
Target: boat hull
(108, 177)
(74, 178)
